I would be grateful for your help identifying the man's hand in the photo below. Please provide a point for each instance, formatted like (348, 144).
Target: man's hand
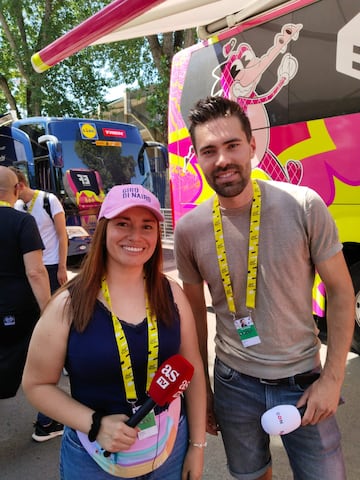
(321, 400)
(62, 274)
(212, 426)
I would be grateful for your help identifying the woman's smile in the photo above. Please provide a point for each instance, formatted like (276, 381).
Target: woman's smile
(132, 249)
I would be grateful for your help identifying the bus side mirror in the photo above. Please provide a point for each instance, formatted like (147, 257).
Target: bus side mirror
(55, 149)
(158, 155)
(141, 160)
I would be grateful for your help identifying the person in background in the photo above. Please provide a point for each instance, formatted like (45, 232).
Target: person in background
(24, 284)
(52, 228)
(257, 244)
(98, 326)
(53, 233)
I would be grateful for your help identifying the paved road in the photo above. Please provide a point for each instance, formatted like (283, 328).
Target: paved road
(23, 459)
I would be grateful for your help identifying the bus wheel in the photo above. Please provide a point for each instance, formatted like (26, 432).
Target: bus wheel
(355, 275)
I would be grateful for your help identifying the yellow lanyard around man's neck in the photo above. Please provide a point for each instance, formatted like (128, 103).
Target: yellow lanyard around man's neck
(4, 204)
(123, 348)
(254, 232)
(33, 200)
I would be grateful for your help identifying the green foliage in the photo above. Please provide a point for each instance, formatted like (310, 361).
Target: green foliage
(78, 84)
(148, 62)
(71, 87)
(157, 99)
(163, 48)
(129, 59)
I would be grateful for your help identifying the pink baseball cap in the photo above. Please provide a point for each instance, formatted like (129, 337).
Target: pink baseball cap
(122, 197)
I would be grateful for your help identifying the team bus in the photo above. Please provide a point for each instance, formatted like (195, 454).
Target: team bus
(296, 72)
(294, 66)
(79, 160)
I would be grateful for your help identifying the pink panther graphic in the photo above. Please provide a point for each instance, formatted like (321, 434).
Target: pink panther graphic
(238, 77)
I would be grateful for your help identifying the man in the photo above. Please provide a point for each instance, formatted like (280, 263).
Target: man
(52, 229)
(267, 348)
(24, 284)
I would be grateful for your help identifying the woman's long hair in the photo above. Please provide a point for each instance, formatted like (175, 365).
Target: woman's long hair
(84, 287)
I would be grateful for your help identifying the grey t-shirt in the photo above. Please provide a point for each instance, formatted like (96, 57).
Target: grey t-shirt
(296, 233)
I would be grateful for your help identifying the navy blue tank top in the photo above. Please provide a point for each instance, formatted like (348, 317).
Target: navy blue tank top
(93, 364)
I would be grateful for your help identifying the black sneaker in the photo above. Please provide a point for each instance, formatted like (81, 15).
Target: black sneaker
(42, 434)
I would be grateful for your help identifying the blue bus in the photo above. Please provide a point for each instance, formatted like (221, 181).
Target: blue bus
(80, 160)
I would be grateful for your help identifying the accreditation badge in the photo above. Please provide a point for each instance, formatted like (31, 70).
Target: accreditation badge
(147, 427)
(247, 331)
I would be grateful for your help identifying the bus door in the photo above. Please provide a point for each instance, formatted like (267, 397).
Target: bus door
(83, 197)
(14, 146)
(159, 165)
(43, 175)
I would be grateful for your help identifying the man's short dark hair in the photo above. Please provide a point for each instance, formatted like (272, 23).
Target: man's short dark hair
(211, 108)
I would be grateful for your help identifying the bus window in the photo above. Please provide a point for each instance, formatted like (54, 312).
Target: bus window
(35, 130)
(110, 148)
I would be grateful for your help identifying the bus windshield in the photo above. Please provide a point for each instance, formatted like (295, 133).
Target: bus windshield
(111, 148)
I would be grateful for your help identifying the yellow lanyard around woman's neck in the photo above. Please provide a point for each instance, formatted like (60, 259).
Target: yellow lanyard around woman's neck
(123, 348)
(254, 232)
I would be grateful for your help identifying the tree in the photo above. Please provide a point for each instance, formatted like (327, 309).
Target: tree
(148, 61)
(68, 88)
(78, 84)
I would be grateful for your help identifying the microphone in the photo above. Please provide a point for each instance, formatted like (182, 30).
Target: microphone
(170, 380)
(282, 419)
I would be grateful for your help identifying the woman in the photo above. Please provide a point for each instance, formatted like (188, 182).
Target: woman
(105, 314)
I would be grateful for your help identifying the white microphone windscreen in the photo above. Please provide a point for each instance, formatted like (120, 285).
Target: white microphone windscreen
(281, 419)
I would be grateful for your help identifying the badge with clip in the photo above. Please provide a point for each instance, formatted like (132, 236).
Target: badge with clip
(147, 427)
(247, 331)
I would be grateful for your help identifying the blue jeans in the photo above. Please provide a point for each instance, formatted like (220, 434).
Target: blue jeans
(43, 419)
(76, 463)
(314, 451)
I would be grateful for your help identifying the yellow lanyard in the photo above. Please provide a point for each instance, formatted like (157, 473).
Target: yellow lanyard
(123, 348)
(254, 232)
(4, 204)
(33, 200)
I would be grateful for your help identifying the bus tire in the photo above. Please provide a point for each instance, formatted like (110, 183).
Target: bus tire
(355, 275)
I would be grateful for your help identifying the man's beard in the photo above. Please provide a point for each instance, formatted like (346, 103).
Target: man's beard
(231, 189)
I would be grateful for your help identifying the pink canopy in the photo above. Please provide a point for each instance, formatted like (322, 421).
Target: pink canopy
(125, 19)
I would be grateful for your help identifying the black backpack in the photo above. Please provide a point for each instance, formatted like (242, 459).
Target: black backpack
(46, 205)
